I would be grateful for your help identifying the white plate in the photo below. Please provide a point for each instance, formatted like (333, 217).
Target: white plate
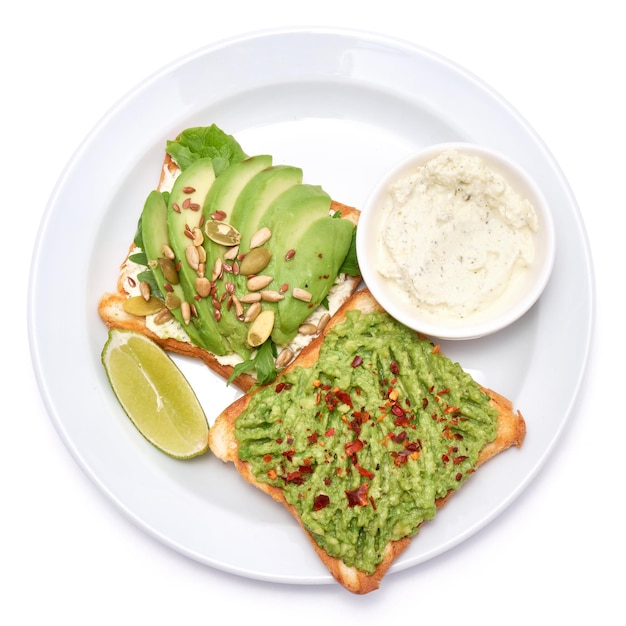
(344, 106)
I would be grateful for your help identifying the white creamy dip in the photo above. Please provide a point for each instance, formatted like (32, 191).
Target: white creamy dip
(455, 235)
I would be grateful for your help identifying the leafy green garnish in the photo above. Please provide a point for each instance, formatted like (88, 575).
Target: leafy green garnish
(262, 361)
(138, 238)
(140, 258)
(350, 265)
(205, 141)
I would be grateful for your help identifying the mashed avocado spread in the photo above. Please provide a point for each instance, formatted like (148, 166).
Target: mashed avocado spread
(367, 439)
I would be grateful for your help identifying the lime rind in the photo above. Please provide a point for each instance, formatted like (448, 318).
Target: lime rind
(155, 395)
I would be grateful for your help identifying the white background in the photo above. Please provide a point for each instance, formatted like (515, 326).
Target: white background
(557, 554)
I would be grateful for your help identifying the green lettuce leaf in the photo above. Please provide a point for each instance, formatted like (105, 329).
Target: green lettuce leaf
(205, 141)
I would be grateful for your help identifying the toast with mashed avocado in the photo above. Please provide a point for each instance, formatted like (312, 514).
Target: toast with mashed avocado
(236, 260)
(363, 437)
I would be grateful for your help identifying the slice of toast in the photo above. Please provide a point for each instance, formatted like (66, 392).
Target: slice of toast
(510, 431)
(111, 304)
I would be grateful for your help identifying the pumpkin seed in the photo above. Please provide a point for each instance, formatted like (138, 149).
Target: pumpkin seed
(137, 305)
(261, 328)
(255, 261)
(222, 233)
(168, 267)
(172, 301)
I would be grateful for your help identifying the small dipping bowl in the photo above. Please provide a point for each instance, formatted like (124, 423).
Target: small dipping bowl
(516, 300)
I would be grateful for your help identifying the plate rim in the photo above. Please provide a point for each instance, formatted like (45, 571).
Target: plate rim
(353, 34)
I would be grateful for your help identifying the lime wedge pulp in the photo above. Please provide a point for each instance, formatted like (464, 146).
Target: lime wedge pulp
(155, 394)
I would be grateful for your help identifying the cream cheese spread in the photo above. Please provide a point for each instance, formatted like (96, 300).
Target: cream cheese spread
(455, 234)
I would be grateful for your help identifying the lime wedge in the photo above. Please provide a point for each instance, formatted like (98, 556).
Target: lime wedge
(155, 394)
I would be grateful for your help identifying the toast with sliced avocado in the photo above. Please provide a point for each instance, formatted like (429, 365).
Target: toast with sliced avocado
(363, 437)
(236, 260)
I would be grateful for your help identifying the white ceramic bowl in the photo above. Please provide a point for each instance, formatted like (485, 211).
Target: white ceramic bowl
(509, 307)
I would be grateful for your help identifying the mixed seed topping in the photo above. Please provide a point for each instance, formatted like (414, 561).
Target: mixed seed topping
(219, 284)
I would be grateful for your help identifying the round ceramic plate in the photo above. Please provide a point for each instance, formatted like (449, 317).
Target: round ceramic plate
(343, 106)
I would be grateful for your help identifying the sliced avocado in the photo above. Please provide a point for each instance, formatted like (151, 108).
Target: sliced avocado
(320, 252)
(183, 215)
(221, 198)
(228, 185)
(256, 197)
(155, 235)
(299, 221)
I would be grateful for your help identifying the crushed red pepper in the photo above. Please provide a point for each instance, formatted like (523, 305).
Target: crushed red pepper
(341, 413)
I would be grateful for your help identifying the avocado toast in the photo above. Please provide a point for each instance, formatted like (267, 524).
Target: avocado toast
(235, 261)
(363, 437)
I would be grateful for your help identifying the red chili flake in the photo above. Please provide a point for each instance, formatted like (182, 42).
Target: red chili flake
(451, 409)
(459, 476)
(400, 458)
(330, 432)
(288, 454)
(344, 397)
(365, 472)
(398, 411)
(357, 360)
(327, 480)
(459, 459)
(280, 387)
(446, 390)
(445, 458)
(312, 438)
(373, 502)
(267, 458)
(320, 502)
(395, 370)
(294, 477)
(353, 447)
(400, 437)
(305, 469)
(358, 496)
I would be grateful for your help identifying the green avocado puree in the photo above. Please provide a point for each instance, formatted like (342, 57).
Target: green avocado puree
(367, 439)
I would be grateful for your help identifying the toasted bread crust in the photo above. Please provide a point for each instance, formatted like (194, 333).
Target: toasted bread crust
(511, 429)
